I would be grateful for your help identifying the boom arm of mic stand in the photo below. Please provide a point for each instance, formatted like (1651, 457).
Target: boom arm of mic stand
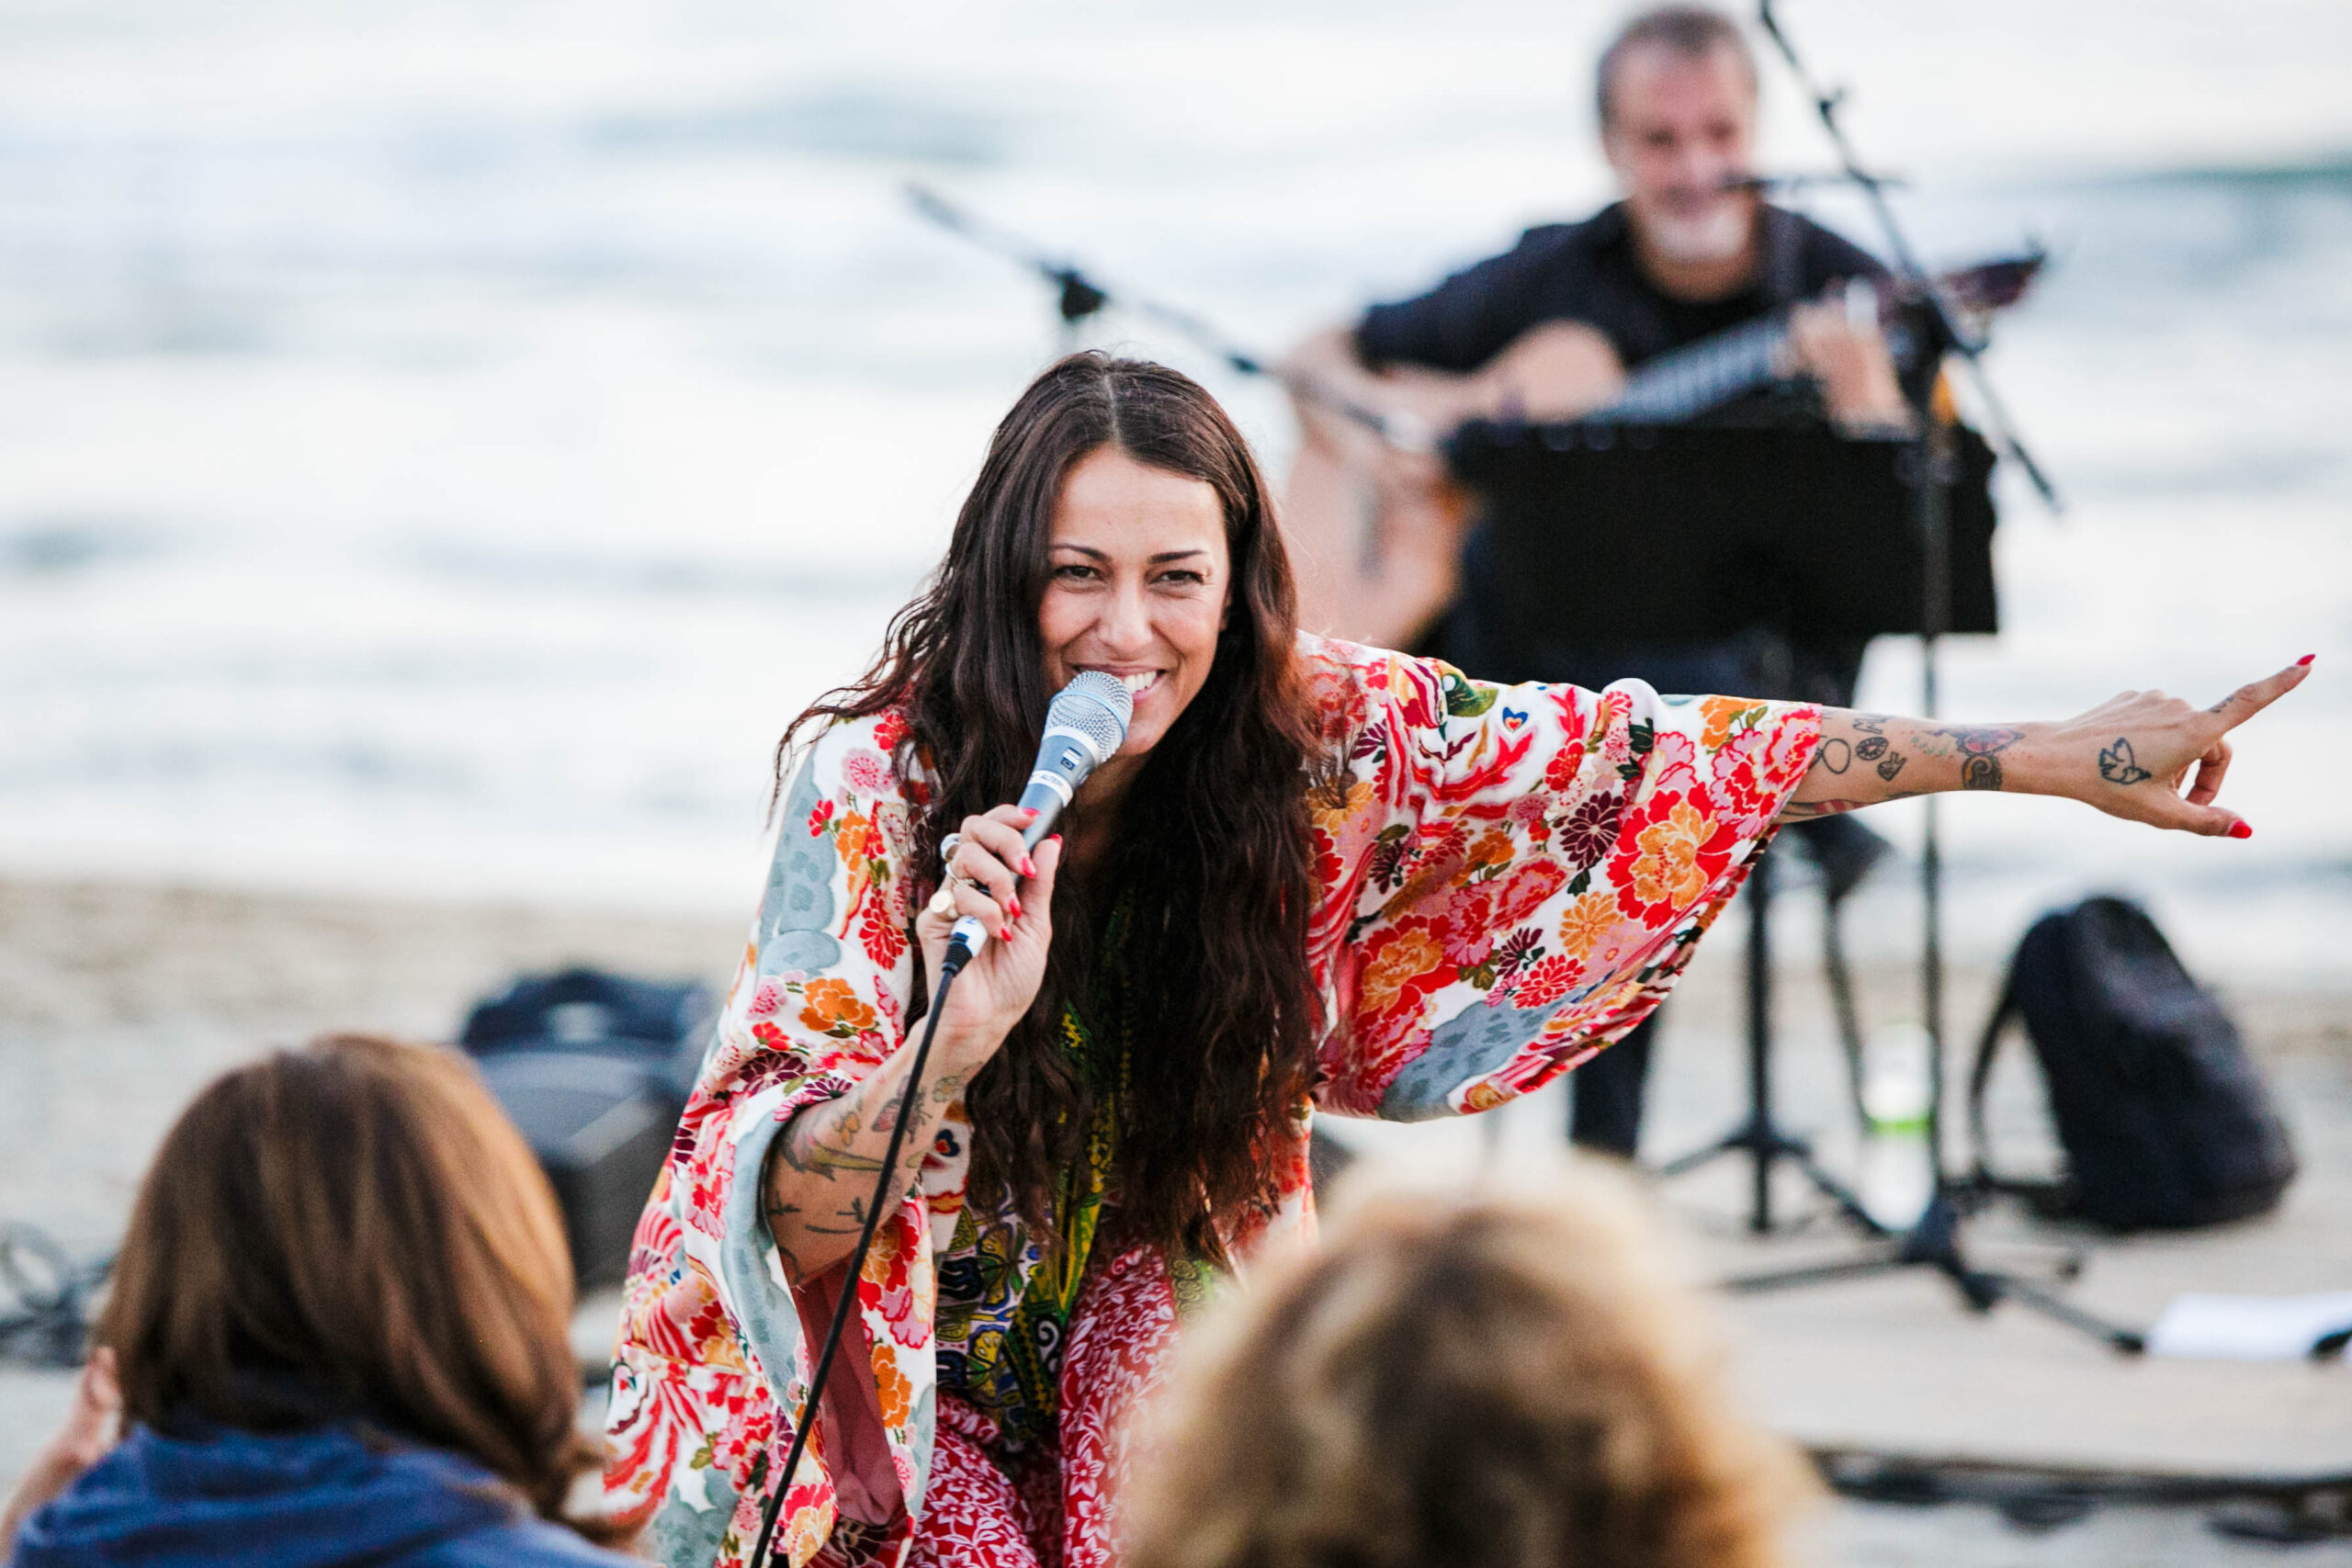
(1077, 296)
(1402, 432)
(1906, 262)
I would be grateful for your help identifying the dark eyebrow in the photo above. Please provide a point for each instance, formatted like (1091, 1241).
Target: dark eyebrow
(1163, 556)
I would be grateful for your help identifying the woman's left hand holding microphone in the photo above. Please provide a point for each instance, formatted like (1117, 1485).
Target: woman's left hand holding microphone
(993, 878)
(819, 1185)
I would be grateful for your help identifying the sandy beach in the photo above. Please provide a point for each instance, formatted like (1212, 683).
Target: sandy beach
(116, 1001)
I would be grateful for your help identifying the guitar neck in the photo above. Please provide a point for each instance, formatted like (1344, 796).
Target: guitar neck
(1688, 382)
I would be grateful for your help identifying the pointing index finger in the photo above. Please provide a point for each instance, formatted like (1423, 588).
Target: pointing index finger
(2256, 695)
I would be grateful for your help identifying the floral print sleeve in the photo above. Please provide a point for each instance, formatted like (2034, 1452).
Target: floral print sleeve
(1508, 877)
(1514, 876)
(712, 1339)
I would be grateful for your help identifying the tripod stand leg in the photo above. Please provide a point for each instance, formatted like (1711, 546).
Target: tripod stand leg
(2130, 1342)
(1759, 1044)
(1934, 1243)
(1840, 978)
(1848, 1202)
(1810, 1274)
(1729, 1145)
(1759, 1137)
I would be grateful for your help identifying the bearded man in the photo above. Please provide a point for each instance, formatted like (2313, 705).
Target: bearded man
(1550, 329)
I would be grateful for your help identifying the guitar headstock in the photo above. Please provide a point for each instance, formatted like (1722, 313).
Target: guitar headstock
(1994, 285)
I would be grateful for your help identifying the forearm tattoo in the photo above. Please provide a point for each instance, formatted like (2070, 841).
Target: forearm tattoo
(1976, 746)
(1888, 746)
(1878, 749)
(824, 1143)
(1980, 753)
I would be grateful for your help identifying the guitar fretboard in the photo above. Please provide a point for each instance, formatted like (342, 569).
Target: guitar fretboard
(1688, 382)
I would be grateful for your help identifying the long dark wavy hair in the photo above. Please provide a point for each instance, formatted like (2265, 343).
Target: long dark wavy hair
(1215, 866)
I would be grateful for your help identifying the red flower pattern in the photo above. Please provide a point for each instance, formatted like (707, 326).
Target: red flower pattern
(1547, 981)
(1470, 814)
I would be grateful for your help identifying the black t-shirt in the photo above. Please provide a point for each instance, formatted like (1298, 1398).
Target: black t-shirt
(1588, 272)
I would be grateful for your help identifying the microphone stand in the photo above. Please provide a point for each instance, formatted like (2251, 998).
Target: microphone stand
(1933, 1241)
(1874, 187)
(1078, 298)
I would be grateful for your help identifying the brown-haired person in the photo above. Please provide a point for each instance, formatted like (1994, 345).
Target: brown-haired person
(1510, 1382)
(338, 1326)
(1315, 876)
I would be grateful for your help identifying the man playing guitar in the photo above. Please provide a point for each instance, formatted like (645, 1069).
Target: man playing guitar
(1549, 330)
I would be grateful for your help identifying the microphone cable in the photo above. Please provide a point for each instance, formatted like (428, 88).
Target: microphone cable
(958, 955)
(1086, 723)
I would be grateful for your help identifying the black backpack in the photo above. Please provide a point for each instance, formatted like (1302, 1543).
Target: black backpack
(2165, 1119)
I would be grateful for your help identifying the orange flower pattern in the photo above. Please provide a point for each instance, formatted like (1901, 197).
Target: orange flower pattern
(1585, 923)
(830, 1007)
(1510, 878)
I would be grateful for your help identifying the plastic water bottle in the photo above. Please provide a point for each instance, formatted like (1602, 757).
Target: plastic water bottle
(1898, 1170)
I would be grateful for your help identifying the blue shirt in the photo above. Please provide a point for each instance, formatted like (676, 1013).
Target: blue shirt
(292, 1500)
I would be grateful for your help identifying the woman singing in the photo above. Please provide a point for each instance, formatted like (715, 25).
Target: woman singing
(1316, 876)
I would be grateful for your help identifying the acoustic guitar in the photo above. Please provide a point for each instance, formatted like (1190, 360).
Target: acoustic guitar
(1377, 541)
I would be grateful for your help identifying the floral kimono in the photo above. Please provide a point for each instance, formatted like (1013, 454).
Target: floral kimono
(1510, 878)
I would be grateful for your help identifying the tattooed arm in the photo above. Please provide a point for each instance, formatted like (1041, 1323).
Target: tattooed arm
(1866, 757)
(821, 1173)
(821, 1169)
(2133, 757)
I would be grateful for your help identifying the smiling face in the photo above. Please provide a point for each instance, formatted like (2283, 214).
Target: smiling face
(1138, 581)
(1678, 126)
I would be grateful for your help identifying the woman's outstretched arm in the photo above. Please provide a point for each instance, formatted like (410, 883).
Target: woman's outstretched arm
(2143, 755)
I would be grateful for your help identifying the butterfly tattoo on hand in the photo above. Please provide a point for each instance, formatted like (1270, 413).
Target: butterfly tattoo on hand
(2116, 765)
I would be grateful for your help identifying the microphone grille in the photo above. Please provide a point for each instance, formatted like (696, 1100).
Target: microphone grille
(1098, 707)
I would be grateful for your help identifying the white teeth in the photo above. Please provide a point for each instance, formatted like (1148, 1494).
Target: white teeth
(1136, 682)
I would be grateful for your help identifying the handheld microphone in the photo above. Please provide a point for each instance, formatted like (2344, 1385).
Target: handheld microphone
(1085, 726)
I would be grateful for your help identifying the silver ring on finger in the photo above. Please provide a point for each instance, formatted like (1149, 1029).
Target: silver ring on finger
(947, 850)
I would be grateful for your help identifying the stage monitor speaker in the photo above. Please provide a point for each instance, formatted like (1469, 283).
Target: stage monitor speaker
(601, 1129)
(595, 1069)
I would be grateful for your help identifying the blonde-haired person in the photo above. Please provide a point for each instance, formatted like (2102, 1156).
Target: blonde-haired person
(337, 1334)
(1514, 1380)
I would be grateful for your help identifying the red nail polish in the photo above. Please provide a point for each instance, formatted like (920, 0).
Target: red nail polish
(1012, 905)
(1028, 867)
(2240, 830)
(1030, 812)
(2307, 658)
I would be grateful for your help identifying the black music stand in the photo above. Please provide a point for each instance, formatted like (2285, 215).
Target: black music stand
(1796, 531)
(1717, 532)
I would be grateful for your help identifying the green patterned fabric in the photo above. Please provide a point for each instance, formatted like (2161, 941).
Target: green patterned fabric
(1002, 1293)
(1042, 1321)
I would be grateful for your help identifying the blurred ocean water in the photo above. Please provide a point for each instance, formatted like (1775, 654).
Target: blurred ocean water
(440, 447)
